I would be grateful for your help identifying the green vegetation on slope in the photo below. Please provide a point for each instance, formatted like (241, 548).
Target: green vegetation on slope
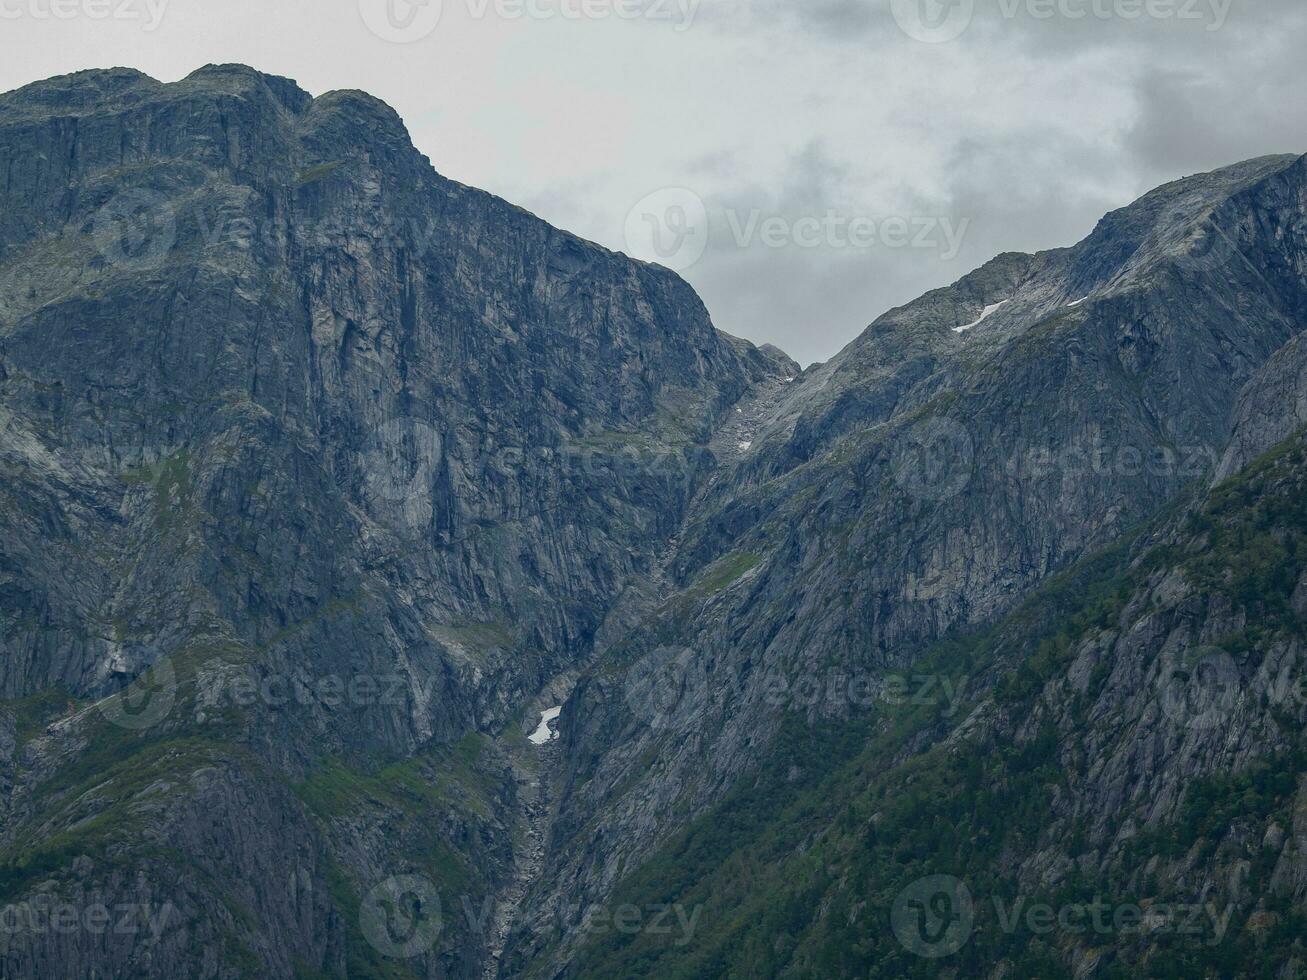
(796, 876)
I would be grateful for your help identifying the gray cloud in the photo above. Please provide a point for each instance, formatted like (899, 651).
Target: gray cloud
(1025, 127)
(1191, 122)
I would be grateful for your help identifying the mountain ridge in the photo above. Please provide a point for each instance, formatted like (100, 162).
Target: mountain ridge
(411, 466)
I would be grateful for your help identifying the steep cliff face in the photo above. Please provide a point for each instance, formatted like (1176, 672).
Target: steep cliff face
(962, 450)
(395, 355)
(1109, 782)
(354, 457)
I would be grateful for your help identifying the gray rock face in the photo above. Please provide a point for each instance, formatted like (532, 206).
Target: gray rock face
(398, 358)
(321, 472)
(1131, 736)
(925, 480)
(359, 455)
(1271, 408)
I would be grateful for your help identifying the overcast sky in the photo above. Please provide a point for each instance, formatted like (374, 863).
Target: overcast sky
(806, 164)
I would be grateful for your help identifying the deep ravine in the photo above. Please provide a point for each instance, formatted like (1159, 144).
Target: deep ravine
(533, 764)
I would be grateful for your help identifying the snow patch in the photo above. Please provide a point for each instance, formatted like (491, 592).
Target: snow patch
(989, 310)
(746, 446)
(1079, 301)
(544, 732)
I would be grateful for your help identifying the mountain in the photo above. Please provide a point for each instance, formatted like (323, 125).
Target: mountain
(325, 475)
(924, 482)
(355, 456)
(1110, 781)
